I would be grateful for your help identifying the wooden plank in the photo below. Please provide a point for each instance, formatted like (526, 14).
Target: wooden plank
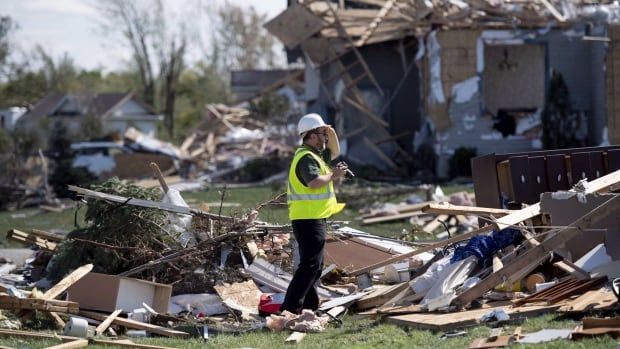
(32, 238)
(107, 322)
(430, 247)
(294, 25)
(366, 111)
(381, 296)
(34, 335)
(434, 224)
(67, 281)
(538, 252)
(591, 300)
(159, 176)
(400, 209)
(14, 303)
(136, 325)
(393, 217)
(385, 9)
(295, 337)
(449, 209)
(518, 216)
(78, 343)
(451, 321)
(380, 154)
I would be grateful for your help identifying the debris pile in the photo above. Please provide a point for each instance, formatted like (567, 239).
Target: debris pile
(172, 267)
(232, 145)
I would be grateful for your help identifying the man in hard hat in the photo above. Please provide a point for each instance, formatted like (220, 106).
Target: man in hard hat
(311, 200)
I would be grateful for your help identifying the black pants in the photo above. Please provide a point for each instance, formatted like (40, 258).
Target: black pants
(302, 291)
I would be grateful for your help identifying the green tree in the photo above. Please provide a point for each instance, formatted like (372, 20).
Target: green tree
(559, 115)
(198, 86)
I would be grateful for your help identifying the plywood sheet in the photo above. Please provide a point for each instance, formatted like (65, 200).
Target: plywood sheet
(294, 25)
(353, 253)
(449, 321)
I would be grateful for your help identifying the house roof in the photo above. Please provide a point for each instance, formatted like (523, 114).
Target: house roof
(104, 102)
(248, 84)
(100, 105)
(50, 102)
(373, 21)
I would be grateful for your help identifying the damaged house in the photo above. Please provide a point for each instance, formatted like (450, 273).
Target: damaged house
(408, 83)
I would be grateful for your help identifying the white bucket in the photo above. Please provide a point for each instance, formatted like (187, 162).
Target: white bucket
(76, 327)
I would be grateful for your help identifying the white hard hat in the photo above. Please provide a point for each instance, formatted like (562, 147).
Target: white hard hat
(310, 122)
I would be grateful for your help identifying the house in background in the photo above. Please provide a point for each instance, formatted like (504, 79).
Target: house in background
(116, 112)
(9, 117)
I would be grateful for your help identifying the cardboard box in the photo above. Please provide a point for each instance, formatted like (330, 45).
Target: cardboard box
(109, 292)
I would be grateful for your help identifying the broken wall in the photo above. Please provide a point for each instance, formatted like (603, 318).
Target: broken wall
(458, 124)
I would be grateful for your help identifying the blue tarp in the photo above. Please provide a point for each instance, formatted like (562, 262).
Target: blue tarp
(485, 246)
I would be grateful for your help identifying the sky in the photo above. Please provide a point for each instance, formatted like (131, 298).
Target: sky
(73, 26)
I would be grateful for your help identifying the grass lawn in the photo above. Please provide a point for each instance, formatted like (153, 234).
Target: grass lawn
(354, 333)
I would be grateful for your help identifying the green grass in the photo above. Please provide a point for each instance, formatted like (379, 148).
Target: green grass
(354, 333)
(361, 334)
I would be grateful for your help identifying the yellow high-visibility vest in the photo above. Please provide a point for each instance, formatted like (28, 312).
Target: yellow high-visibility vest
(308, 203)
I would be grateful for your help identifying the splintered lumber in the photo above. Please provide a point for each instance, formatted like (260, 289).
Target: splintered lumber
(420, 250)
(78, 343)
(380, 296)
(451, 321)
(149, 204)
(295, 337)
(375, 23)
(449, 209)
(107, 322)
(389, 218)
(518, 216)
(562, 291)
(31, 238)
(34, 335)
(14, 303)
(67, 281)
(591, 327)
(386, 159)
(136, 325)
(538, 253)
(434, 224)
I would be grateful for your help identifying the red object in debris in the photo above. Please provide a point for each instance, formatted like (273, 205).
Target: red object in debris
(270, 303)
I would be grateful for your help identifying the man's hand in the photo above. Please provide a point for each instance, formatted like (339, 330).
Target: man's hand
(339, 171)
